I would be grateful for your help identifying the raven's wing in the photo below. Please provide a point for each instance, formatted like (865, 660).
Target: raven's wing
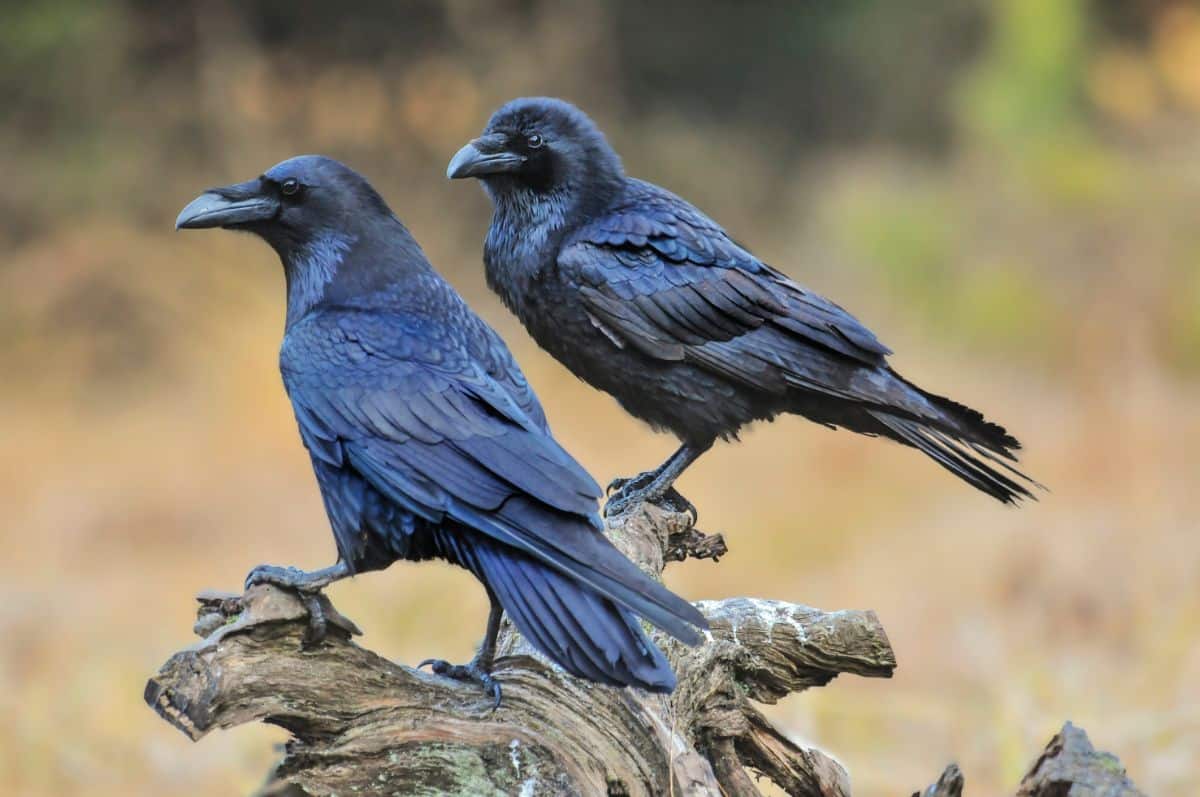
(486, 347)
(658, 275)
(428, 427)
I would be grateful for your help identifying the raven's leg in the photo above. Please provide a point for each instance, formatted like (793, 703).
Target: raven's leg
(307, 584)
(656, 486)
(478, 669)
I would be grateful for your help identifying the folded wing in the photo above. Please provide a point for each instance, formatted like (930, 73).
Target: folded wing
(432, 431)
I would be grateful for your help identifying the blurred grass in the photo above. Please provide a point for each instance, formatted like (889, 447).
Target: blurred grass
(1042, 265)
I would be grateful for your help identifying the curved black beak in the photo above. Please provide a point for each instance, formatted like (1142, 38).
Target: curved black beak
(231, 206)
(483, 156)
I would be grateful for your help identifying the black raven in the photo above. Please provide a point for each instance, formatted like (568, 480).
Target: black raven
(426, 439)
(643, 296)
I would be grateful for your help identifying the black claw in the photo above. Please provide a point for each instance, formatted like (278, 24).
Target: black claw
(671, 500)
(318, 627)
(626, 493)
(472, 671)
(623, 484)
(674, 502)
(631, 484)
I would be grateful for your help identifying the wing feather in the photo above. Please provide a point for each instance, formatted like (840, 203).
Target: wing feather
(667, 280)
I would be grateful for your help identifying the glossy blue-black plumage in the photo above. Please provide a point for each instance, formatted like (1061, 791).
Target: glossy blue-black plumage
(645, 297)
(427, 441)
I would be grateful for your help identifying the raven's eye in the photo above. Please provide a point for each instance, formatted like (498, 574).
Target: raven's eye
(534, 141)
(289, 187)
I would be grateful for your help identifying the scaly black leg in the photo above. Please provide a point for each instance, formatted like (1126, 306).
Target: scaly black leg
(656, 487)
(307, 584)
(478, 669)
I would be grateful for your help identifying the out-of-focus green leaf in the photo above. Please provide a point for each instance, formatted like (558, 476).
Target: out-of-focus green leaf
(1030, 82)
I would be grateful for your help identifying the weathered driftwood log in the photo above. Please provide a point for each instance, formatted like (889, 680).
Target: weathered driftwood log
(362, 724)
(1068, 767)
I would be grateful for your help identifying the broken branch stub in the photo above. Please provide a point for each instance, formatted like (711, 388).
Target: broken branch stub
(1068, 767)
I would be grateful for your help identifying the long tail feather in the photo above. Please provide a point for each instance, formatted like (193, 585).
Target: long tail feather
(583, 632)
(967, 457)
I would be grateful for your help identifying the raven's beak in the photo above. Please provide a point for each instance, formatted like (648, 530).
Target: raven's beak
(231, 206)
(485, 155)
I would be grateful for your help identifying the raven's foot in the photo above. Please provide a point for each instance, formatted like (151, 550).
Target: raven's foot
(476, 671)
(641, 489)
(305, 584)
(621, 484)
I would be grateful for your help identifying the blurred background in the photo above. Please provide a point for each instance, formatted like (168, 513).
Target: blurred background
(1005, 190)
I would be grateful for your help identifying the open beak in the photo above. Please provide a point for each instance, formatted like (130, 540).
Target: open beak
(231, 206)
(485, 155)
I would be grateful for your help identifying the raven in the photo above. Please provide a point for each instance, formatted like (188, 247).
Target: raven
(643, 296)
(426, 440)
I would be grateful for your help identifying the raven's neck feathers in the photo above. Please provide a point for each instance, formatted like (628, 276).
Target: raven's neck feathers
(310, 269)
(528, 226)
(368, 267)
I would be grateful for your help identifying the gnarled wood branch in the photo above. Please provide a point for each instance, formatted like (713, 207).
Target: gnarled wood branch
(360, 723)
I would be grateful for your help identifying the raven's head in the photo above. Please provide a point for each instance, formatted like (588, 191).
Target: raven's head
(291, 205)
(536, 146)
(314, 211)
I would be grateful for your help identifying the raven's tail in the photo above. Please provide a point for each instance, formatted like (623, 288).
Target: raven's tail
(581, 631)
(963, 442)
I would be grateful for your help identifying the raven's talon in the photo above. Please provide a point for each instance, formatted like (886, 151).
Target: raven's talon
(628, 493)
(318, 626)
(617, 506)
(471, 671)
(623, 484)
(631, 493)
(286, 577)
(672, 501)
